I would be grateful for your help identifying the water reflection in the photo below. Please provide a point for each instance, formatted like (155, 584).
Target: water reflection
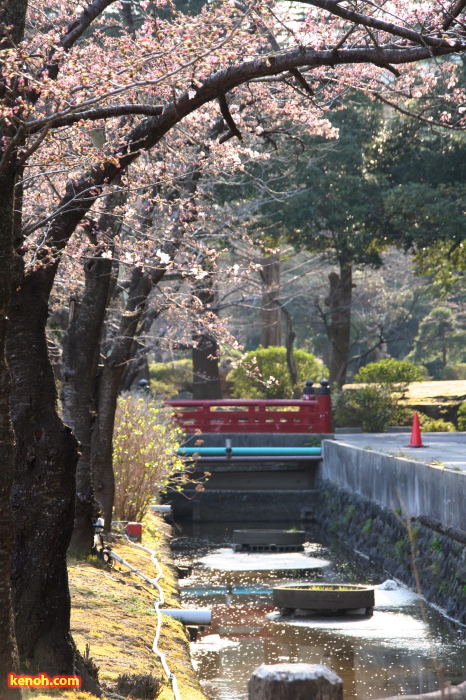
(386, 654)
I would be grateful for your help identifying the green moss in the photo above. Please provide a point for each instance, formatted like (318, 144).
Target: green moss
(443, 588)
(367, 526)
(349, 514)
(400, 550)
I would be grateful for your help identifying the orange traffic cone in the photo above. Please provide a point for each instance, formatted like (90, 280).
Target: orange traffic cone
(416, 439)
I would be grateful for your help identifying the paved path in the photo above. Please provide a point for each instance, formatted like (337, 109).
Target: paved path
(442, 449)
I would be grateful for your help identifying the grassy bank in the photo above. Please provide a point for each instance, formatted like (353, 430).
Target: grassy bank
(448, 392)
(114, 624)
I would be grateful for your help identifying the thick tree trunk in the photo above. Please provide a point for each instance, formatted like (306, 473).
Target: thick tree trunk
(339, 301)
(81, 346)
(44, 489)
(206, 378)
(271, 334)
(205, 353)
(290, 361)
(8, 649)
(102, 436)
(138, 367)
(81, 353)
(12, 23)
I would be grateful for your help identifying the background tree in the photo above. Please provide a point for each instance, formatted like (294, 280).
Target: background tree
(438, 342)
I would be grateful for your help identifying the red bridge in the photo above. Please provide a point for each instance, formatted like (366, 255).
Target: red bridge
(310, 415)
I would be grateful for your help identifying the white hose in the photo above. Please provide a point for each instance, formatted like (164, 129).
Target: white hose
(154, 582)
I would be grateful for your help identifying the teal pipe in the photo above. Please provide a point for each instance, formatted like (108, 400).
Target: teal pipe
(251, 451)
(278, 451)
(203, 451)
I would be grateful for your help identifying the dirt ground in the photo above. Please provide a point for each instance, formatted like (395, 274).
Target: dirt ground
(113, 621)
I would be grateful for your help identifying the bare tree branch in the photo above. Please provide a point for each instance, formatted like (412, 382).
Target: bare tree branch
(453, 13)
(94, 114)
(334, 8)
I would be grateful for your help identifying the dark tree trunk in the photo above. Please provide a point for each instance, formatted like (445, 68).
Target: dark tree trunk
(290, 361)
(81, 345)
(44, 489)
(81, 353)
(8, 272)
(12, 23)
(138, 367)
(102, 436)
(271, 334)
(205, 353)
(206, 378)
(339, 301)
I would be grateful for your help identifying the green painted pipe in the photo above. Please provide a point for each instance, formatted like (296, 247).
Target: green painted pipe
(251, 451)
(203, 451)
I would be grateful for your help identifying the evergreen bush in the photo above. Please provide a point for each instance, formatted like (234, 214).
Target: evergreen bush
(435, 425)
(390, 371)
(167, 379)
(372, 407)
(462, 417)
(263, 373)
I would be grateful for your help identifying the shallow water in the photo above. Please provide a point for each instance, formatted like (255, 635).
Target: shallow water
(389, 653)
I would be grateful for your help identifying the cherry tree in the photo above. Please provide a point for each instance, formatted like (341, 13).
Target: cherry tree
(63, 82)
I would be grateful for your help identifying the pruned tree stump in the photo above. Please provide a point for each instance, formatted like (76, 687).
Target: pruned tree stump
(295, 682)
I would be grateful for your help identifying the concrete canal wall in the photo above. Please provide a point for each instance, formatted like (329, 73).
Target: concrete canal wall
(359, 510)
(424, 489)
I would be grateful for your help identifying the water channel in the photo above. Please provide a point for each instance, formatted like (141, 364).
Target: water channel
(389, 653)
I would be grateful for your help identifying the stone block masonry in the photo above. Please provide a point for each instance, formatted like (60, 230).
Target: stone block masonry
(380, 534)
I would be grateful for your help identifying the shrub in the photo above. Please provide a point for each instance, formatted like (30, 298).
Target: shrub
(167, 379)
(145, 444)
(455, 372)
(462, 417)
(435, 425)
(386, 383)
(263, 373)
(372, 407)
(389, 371)
(144, 686)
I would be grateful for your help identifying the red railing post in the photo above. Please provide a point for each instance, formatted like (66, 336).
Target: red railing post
(325, 407)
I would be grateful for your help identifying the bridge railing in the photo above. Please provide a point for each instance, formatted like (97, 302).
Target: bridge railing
(311, 415)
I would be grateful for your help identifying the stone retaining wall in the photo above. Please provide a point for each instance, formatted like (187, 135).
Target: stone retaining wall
(357, 523)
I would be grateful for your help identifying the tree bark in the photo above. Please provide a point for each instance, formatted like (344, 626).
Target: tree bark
(138, 367)
(290, 361)
(339, 301)
(271, 333)
(44, 489)
(12, 17)
(81, 346)
(205, 353)
(81, 352)
(8, 272)
(206, 378)
(109, 383)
